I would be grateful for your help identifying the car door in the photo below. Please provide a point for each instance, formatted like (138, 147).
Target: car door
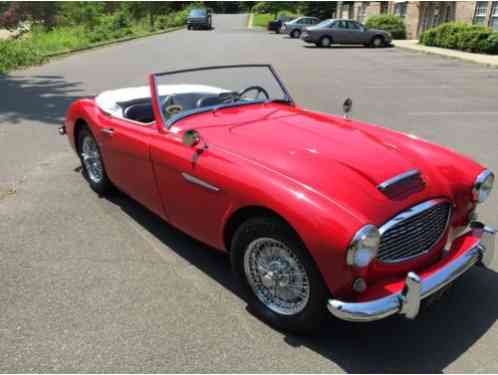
(357, 34)
(339, 31)
(190, 181)
(126, 153)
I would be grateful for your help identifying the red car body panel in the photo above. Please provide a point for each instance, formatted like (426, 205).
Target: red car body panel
(318, 172)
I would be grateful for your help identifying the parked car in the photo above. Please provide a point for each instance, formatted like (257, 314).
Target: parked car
(341, 31)
(296, 26)
(199, 18)
(316, 211)
(277, 23)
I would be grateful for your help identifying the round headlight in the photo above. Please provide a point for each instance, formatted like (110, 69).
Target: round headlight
(364, 246)
(483, 186)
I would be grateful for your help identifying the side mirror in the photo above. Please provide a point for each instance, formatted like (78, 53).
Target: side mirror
(191, 138)
(347, 107)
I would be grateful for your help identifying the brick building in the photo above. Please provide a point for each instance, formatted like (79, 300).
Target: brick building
(422, 15)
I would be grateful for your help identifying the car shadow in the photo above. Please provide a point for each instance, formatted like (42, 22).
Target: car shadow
(344, 46)
(439, 336)
(41, 98)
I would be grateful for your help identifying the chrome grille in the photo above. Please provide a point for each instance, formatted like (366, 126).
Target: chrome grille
(413, 232)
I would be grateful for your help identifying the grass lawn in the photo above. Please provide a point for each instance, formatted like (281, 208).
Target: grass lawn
(262, 19)
(36, 46)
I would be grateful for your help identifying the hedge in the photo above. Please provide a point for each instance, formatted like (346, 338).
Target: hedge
(392, 24)
(461, 36)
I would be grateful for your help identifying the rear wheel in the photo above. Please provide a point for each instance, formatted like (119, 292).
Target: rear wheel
(325, 41)
(278, 276)
(295, 33)
(91, 162)
(378, 42)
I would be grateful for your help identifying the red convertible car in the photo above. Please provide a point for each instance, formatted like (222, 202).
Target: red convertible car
(319, 213)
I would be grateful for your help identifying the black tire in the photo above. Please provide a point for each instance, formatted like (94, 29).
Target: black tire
(295, 33)
(377, 42)
(325, 41)
(102, 185)
(277, 31)
(314, 313)
(189, 27)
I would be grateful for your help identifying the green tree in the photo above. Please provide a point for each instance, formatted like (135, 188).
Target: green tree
(320, 9)
(82, 12)
(274, 7)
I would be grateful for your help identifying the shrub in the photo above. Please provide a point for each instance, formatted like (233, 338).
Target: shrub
(458, 35)
(490, 45)
(14, 54)
(389, 23)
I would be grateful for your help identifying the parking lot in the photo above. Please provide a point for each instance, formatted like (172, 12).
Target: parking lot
(100, 284)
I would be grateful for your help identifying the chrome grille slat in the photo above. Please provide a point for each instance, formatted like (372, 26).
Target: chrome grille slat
(414, 232)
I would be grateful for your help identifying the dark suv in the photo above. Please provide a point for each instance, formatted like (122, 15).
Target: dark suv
(199, 19)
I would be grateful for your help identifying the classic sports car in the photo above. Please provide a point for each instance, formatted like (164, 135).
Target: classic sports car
(317, 212)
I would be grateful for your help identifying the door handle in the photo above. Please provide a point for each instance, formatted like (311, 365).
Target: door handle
(109, 131)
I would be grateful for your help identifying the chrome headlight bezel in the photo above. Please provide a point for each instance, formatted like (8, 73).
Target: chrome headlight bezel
(363, 247)
(483, 185)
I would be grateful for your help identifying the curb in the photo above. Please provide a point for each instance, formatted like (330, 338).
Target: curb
(436, 53)
(110, 42)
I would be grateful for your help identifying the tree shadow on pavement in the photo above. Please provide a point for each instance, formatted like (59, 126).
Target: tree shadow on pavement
(41, 98)
(439, 336)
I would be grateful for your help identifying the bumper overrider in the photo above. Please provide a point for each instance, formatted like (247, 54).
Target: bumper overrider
(407, 300)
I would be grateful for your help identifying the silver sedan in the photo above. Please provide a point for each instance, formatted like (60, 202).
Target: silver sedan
(296, 26)
(341, 31)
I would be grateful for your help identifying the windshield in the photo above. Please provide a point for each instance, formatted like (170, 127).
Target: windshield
(185, 92)
(324, 23)
(197, 13)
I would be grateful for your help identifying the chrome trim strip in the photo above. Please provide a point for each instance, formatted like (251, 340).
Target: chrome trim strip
(197, 181)
(412, 211)
(407, 300)
(397, 179)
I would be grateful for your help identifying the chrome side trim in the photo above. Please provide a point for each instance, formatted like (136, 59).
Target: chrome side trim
(407, 301)
(397, 179)
(197, 181)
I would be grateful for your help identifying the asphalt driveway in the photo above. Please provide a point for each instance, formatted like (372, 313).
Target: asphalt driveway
(100, 284)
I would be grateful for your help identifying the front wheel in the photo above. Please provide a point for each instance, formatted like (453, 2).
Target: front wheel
(91, 162)
(278, 276)
(325, 42)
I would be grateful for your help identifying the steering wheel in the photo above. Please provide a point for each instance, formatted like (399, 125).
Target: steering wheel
(258, 89)
(169, 107)
(173, 109)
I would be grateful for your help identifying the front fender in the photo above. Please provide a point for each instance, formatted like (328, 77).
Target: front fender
(324, 226)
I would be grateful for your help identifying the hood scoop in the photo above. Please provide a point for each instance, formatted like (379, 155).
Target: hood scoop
(402, 185)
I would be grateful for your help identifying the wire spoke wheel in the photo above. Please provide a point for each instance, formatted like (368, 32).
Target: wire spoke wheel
(91, 159)
(276, 276)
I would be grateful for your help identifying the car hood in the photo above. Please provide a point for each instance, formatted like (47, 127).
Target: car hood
(339, 159)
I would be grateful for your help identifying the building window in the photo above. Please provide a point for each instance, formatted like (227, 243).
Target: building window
(493, 20)
(480, 13)
(400, 9)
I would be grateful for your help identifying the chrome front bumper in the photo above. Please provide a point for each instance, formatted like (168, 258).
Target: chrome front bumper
(407, 301)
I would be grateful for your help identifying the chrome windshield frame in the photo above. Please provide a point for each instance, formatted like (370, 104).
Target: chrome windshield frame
(169, 123)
